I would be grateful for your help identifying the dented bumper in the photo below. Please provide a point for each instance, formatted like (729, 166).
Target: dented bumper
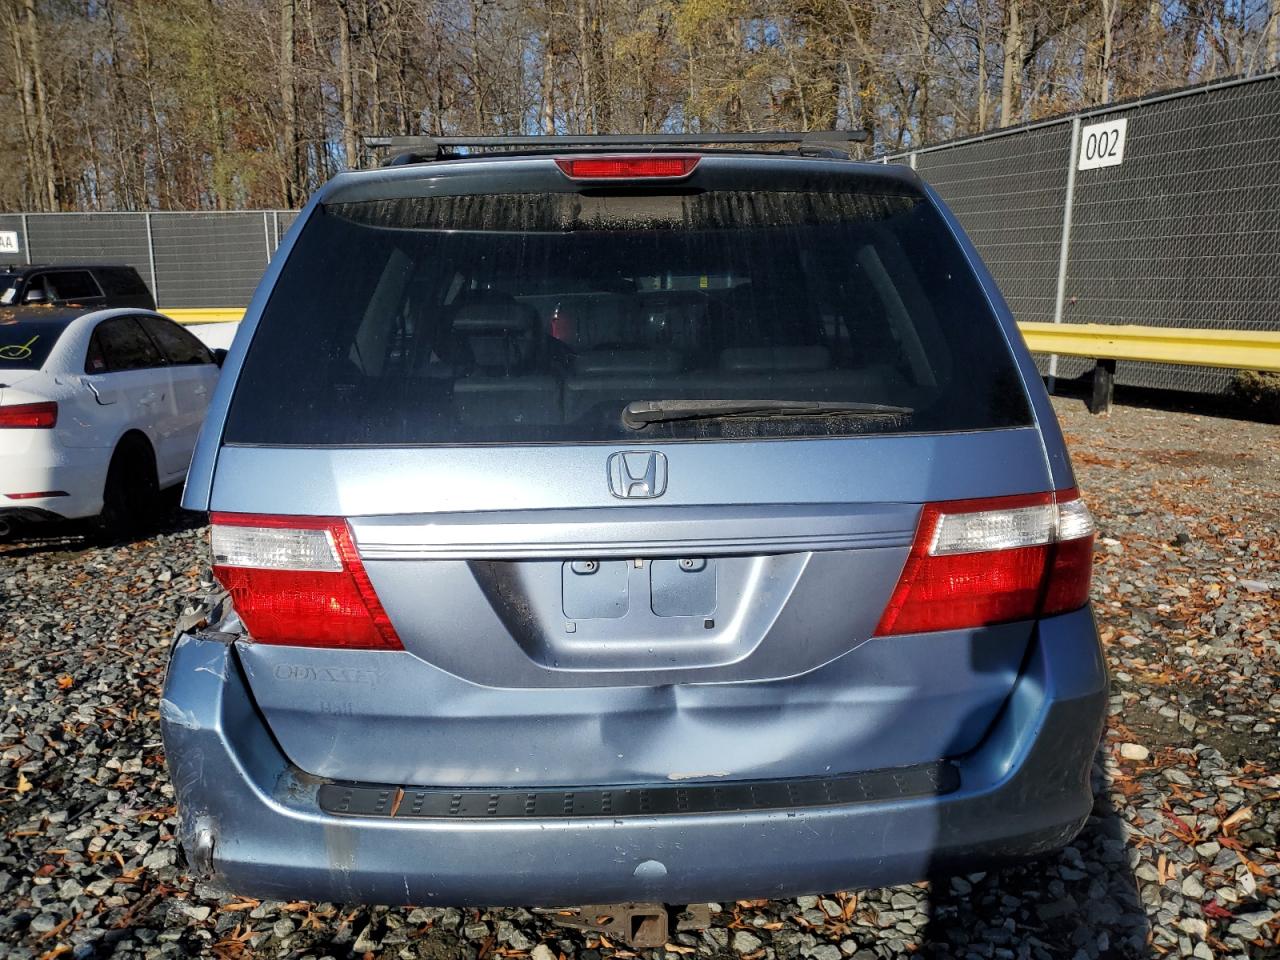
(254, 823)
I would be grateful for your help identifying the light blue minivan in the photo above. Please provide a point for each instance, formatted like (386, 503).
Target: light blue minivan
(644, 523)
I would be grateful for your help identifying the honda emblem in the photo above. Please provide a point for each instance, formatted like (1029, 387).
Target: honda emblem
(637, 474)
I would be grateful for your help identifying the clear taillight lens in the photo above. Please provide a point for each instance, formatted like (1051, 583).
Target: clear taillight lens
(299, 581)
(274, 548)
(979, 562)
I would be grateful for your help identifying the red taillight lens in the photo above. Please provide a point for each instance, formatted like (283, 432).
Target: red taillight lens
(38, 416)
(997, 560)
(620, 168)
(299, 581)
(1069, 576)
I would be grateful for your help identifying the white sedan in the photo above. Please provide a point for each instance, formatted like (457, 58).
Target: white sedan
(99, 411)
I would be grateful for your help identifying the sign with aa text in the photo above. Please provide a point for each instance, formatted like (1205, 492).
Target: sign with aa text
(8, 241)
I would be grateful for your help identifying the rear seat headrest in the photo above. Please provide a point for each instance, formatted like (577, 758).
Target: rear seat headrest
(775, 359)
(494, 316)
(604, 363)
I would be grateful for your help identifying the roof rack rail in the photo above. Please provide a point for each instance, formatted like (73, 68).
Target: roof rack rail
(417, 149)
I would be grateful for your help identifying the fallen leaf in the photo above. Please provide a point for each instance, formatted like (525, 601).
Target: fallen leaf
(1180, 828)
(1240, 816)
(24, 785)
(1216, 911)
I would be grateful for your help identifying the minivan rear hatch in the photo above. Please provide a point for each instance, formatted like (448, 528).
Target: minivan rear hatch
(629, 469)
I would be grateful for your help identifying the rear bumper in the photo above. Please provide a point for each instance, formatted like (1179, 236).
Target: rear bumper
(46, 466)
(252, 822)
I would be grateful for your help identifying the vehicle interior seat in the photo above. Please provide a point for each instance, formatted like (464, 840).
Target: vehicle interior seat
(495, 343)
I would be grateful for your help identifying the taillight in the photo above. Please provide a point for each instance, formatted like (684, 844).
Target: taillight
(996, 560)
(299, 581)
(38, 416)
(616, 168)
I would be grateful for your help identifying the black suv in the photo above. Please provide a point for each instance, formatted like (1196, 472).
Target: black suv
(88, 285)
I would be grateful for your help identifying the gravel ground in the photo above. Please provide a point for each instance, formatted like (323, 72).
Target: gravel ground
(1179, 858)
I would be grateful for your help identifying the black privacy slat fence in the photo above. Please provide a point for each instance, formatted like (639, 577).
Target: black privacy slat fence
(188, 258)
(1183, 231)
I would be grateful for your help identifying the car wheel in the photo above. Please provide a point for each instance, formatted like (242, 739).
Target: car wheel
(130, 495)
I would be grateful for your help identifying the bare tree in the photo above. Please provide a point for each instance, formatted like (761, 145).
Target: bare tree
(292, 170)
(227, 103)
(1009, 85)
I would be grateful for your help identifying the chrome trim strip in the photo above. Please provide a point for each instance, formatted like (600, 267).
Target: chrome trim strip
(626, 532)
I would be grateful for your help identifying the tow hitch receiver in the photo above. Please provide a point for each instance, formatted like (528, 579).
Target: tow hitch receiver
(639, 925)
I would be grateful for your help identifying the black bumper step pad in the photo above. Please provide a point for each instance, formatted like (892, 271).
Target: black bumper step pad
(730, 796)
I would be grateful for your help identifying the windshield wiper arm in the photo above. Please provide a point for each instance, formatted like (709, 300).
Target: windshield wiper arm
(640, 413)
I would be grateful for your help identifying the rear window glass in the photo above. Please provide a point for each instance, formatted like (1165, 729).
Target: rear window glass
(26, 345)
(536, 318)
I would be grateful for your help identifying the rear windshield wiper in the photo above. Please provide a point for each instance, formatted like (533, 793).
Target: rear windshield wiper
(640, 413)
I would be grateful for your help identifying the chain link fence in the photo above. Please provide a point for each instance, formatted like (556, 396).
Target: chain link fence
(1163, 212)
(1173, 221)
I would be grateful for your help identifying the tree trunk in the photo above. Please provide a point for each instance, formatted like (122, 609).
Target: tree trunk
(439, 79)
(289, 104)
(404, 56)
(548, 77)
(1012, 60)
(797, 86)
(602, 77)
(982, 68)
(162, 187)
(347, 86)
(477, 82)
(923, 72)
(586, 66)
(1107, 9)
(1273, 36)
(866, 101)
(43, 175)
(27, 103)
(128, 173)
(375, 70)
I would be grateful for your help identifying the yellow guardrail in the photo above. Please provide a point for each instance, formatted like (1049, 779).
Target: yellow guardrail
(205, 314)
(1235, 349)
